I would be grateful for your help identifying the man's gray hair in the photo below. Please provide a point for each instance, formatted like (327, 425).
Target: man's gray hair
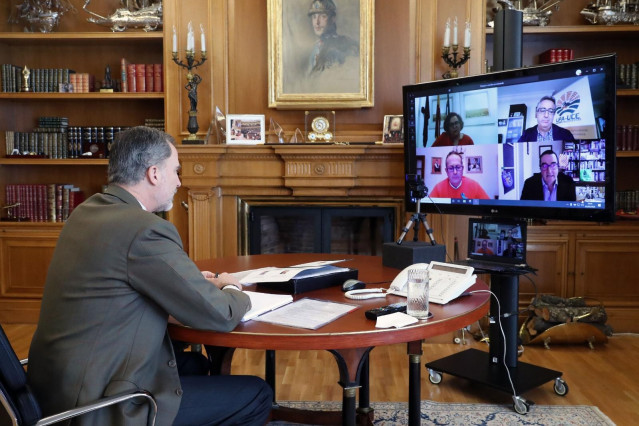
(135, 150)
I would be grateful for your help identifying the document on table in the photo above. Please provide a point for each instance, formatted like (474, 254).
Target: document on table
(307, 313)
(274, 274)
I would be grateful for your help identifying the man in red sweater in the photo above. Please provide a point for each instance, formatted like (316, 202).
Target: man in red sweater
(457, 185)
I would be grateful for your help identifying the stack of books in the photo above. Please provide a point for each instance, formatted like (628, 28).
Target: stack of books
(49, 139)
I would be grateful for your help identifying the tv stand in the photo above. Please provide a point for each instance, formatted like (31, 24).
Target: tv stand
(492, 368)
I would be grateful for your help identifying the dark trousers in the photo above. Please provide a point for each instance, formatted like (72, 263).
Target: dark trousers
(219, 400)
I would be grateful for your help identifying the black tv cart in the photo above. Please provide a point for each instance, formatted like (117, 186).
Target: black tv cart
(492, 368)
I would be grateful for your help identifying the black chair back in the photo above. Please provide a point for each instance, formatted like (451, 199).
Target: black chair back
(15, 395)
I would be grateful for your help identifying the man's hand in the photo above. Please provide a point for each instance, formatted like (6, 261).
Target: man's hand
(222, 279)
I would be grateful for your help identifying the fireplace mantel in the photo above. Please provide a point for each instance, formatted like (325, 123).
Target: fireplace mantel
(220, 177)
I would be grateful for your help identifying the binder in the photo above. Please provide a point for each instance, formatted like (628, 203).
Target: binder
(301, 284)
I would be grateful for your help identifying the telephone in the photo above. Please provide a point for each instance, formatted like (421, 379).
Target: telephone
(447, 281)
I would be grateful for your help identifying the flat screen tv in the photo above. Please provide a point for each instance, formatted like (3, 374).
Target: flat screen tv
(536, 142)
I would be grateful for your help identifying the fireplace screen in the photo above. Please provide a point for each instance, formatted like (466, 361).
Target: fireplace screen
(311, 229)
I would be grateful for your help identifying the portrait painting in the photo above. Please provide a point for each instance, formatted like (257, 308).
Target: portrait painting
(474, 164)
(320, 53)
(244, 129)
(436, 166)
(393, 129)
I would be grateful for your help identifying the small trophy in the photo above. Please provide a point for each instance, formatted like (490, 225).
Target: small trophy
(25, 79)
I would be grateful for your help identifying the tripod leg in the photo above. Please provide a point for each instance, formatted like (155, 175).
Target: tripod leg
(405, 230)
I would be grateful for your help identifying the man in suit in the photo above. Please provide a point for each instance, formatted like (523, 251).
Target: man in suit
(117, 273)
(550, 184)
(546, 130)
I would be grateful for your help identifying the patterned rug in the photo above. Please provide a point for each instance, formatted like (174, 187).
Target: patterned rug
(436, 413)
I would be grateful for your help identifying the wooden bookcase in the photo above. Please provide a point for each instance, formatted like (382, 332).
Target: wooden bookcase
(26, 248)
(587, 259)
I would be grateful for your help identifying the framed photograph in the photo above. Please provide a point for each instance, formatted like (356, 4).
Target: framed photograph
(543, 148)
(320, 54)
(474, 164)
(436, 166)
(393, 129)
(244, 129)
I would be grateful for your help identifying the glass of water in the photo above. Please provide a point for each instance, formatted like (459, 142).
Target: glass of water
(417, 293)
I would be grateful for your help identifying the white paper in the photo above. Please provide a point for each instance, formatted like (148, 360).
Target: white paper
(265, 302)
(396, 319)
(307, 313)
(318, 263)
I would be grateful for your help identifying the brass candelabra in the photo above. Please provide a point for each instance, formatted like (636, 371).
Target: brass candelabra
(451, 59)
(193, 80)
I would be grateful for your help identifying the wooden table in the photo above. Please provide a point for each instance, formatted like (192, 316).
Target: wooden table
(349, 338)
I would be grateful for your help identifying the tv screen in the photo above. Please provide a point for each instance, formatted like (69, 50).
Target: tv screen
(536, 142)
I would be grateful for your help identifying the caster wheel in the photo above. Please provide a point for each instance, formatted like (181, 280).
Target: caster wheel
(521, 406)
(561, 387)
(434, 377)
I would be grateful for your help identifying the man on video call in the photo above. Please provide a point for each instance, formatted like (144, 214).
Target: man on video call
(546, 130)
(550, 184)
(456, 185)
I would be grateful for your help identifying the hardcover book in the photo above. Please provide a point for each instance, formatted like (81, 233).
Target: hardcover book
(148, 79)
(140, 78)
(130, 78)
(158, 77)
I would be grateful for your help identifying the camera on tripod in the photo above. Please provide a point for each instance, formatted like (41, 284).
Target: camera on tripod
(399, 255)
(417, 189)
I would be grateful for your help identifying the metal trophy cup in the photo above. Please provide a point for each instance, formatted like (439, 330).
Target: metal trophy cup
(401, 254)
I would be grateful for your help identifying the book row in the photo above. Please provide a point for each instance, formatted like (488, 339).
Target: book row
(41, 202)
(627, 76)
(141, 77)
(628, 137)
(138, 78)
(14, 78)
(627, 201)
(63, 141)
(556, 55)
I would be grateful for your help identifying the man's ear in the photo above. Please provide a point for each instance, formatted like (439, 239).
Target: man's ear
(153, 175)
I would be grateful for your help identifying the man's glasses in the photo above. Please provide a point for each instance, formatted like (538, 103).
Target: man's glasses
(546, 110)
(454, 168)
(545, 166)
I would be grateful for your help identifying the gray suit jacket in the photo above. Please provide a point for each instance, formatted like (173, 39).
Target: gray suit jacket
(116, 275)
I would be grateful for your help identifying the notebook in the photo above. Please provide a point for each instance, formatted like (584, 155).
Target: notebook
(496, 245)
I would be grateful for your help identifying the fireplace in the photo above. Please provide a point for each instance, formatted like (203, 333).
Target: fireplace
(223, 181)
(318, 229)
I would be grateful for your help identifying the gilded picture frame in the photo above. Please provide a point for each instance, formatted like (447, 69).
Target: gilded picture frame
(304, 73)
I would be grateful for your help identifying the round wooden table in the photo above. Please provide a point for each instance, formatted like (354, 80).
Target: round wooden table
(350, 338)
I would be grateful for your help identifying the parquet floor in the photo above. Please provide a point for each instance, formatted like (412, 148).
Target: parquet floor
(607, 377)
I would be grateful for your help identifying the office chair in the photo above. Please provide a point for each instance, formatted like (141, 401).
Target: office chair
(22, 407)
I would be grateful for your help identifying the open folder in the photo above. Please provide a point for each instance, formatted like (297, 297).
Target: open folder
(265, 302)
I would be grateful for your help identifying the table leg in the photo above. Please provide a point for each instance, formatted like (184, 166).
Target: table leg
(269, 370)
(220, 359)
(414, 350)
(364, 390)
(350, 363)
